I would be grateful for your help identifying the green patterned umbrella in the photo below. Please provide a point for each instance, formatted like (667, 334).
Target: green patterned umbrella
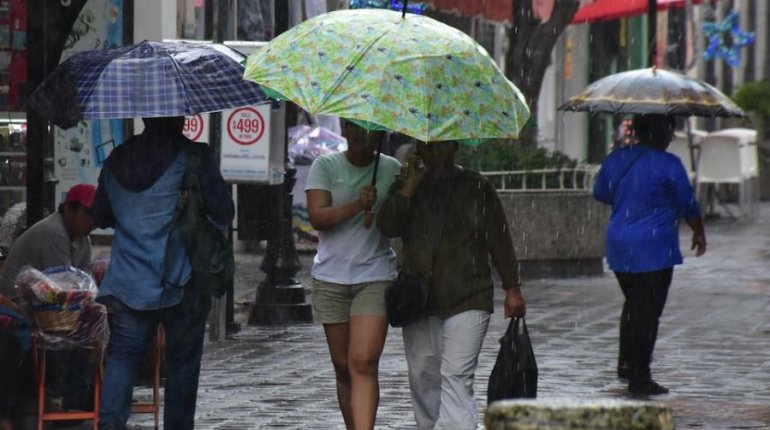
(406, 73)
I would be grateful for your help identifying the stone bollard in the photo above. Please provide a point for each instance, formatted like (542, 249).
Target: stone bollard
(576, 414)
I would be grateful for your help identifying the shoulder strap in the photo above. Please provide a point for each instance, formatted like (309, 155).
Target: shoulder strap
(628, 167)
(194, 156)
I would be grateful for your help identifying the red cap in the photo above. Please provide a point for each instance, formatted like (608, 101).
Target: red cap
(83, 194)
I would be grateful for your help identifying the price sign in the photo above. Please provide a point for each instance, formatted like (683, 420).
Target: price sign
(245, 125)
(196, 127)
(247, 154)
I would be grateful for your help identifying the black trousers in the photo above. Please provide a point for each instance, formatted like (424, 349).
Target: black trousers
(645, 294)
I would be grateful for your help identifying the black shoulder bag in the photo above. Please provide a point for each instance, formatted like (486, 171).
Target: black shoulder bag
(408, 298)
(209, 250)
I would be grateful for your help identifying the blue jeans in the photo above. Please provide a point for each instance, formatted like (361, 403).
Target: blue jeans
(131, 332)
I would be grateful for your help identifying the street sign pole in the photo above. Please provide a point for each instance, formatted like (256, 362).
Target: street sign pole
(652, 31)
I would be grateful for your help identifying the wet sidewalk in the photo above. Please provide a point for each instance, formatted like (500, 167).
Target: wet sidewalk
(713, 351)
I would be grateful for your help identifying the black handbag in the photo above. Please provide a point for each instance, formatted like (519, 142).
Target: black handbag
(515, 372)
(407, 299)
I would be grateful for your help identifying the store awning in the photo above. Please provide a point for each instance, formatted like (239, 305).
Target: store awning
(591, 11)
(603, 10)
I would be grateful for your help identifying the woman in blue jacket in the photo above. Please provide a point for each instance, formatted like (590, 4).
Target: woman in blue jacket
(649, 192)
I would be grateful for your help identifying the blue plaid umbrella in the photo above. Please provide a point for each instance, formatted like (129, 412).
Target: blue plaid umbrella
(149, 79)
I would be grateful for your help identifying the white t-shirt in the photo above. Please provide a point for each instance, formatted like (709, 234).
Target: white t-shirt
(349, 253)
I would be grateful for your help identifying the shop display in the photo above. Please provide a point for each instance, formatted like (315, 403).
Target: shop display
(13, 159)
(13, 54)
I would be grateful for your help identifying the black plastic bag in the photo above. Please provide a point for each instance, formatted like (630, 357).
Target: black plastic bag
(515, 373)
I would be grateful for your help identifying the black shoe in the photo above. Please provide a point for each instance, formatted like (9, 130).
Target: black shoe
(232, 328)
(647, 388)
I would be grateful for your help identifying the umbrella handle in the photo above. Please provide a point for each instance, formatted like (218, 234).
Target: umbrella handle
(369, 215)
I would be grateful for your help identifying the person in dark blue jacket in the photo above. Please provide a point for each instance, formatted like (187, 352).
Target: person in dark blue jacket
(137, 195)
(649, 192)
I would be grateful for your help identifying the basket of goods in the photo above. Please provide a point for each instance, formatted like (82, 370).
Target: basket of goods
(60, 302)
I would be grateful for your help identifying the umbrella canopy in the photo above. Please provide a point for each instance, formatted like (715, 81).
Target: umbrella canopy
(653, 91)
(407, 73)
(149, 79)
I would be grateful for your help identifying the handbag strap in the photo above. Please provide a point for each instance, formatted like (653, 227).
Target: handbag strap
(628, 167)
(193, 160)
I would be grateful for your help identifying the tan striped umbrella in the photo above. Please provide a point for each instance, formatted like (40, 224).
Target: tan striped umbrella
(653, 91)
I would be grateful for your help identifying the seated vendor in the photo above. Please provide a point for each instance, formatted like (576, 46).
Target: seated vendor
(60, 239)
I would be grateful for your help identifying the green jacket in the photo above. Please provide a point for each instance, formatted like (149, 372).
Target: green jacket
(475, 228)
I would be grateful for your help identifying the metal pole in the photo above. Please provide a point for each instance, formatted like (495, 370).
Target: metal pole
(280, 297)
(48, 25)
(652, 30)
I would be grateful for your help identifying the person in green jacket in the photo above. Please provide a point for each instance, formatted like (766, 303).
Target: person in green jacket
(451, 222)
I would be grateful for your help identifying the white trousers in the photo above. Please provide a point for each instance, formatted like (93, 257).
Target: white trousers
(442, 356)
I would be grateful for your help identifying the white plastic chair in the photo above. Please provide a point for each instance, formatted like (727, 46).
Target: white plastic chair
(747, 142)
(720, 163)
(679, 146)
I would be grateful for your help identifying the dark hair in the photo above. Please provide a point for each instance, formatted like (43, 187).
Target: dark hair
(378, 135)
(165, 124)
(654, 129)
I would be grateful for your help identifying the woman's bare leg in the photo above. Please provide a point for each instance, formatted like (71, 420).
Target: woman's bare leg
(367, 338)
(338, 339)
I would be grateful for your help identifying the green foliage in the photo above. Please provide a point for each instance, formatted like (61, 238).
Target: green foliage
(497, 155)
(754, 97)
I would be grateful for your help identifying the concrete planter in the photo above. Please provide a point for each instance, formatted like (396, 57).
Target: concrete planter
(557, 234)
(572, 414)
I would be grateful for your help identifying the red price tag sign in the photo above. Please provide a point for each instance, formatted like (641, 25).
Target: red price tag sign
(245, 125)
(193, 127)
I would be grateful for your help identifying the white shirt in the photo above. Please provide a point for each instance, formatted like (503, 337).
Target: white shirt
(349, 253)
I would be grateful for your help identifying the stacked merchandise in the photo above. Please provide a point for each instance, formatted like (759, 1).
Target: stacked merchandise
(60, 303)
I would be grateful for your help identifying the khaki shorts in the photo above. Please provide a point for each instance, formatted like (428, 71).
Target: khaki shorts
(336, 303)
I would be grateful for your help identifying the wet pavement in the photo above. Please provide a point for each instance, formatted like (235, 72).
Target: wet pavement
(713, 351)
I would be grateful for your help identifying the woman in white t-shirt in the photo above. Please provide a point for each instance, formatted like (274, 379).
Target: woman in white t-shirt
(352, 268)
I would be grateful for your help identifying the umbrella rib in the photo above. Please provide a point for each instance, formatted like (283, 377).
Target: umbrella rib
(346, 72)
(185, 92)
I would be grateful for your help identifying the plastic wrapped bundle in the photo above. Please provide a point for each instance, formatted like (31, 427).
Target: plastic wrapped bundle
(60, 302)
(99, 267)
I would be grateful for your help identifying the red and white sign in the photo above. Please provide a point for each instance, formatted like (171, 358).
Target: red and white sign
(245, 125)
(196, 127)
(245, 156)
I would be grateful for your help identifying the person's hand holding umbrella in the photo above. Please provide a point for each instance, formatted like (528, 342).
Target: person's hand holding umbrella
(367, 198)
(412, 172)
